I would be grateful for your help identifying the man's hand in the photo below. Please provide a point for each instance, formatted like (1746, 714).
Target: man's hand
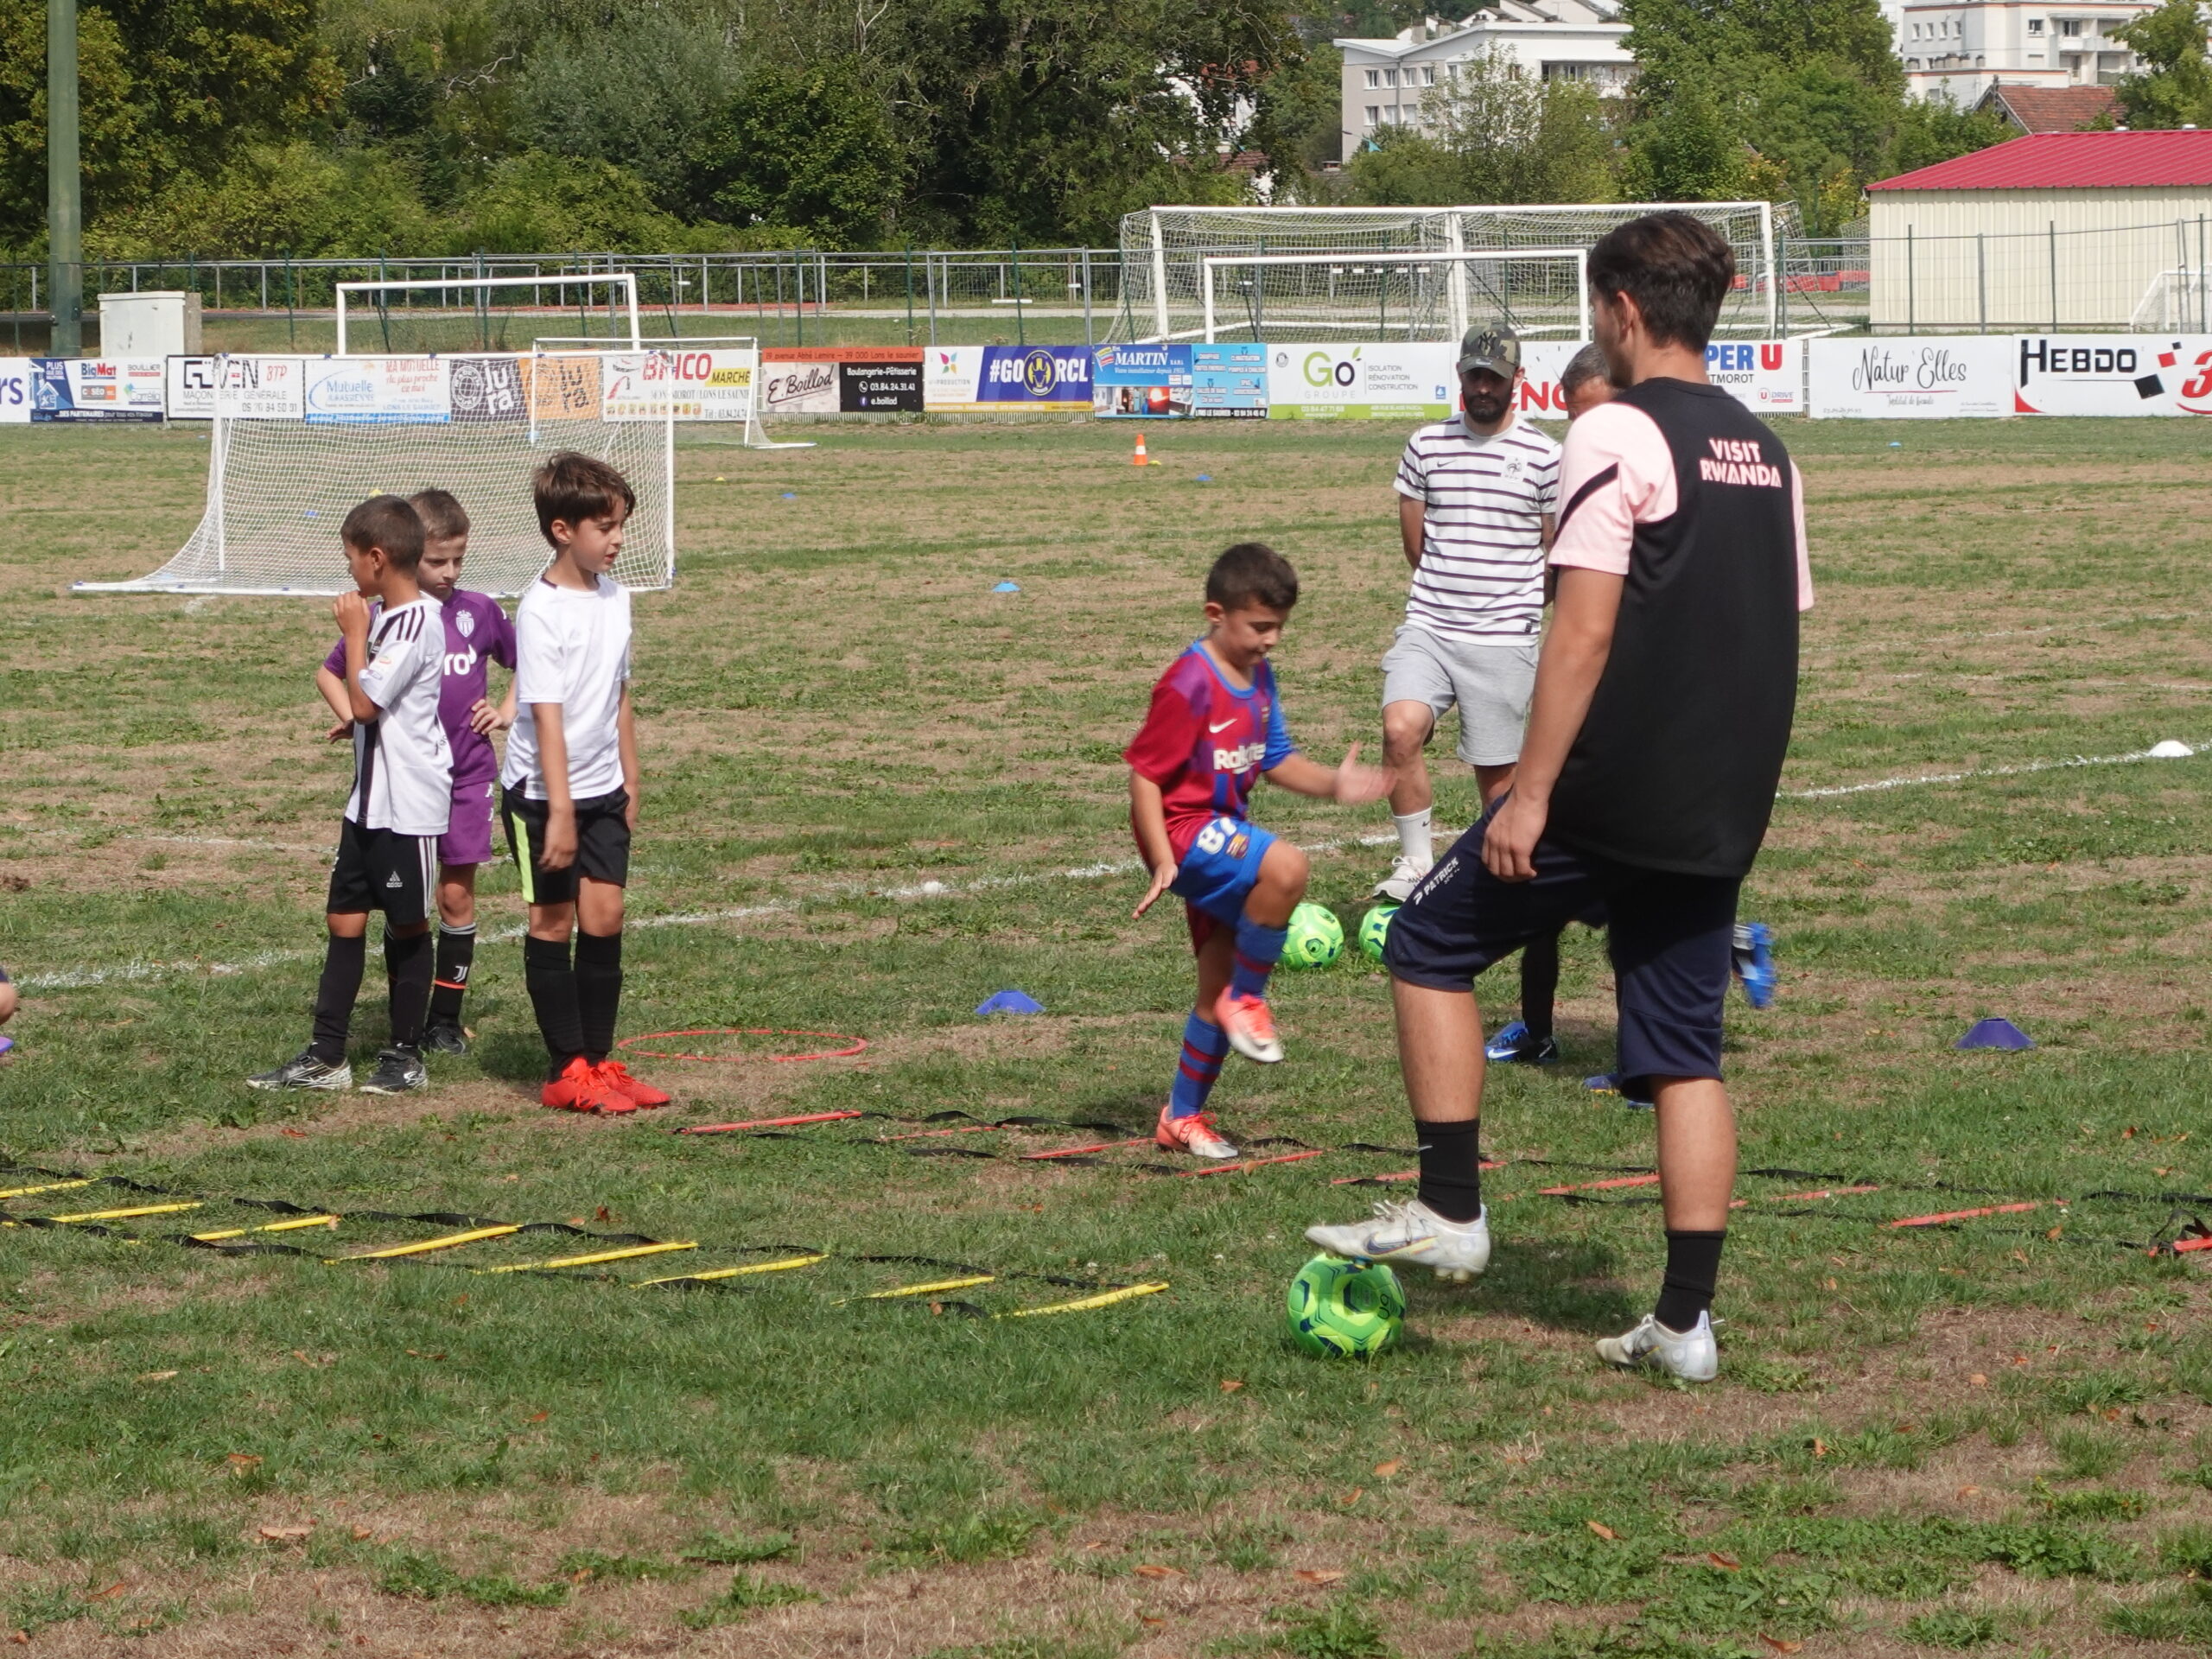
(1355, 784)
(1162, 879)
(1510, 843)
(341, 732)
(352, 611)
(484, 719)
(560, 849)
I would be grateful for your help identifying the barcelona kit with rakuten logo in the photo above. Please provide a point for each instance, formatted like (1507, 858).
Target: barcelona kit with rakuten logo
(1206, 742)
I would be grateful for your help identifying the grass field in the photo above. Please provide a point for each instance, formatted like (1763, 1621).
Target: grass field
(1995, 1434)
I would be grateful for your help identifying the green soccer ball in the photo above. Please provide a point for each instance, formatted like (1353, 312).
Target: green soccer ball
(1374, 928)
(1346, 1310)
(1317, 938)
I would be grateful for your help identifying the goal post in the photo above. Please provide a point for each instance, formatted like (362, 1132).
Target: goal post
(1164, 250)
(428, 318)
(1536, 303)
(298, 441)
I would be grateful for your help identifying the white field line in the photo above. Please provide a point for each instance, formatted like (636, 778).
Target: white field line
(144, 972)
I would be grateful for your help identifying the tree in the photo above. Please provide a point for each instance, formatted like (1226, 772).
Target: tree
(1299, 123)
(2175, 90)
(811, 152)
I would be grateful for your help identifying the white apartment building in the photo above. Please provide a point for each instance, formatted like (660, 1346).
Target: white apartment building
(1962, 46)
(1386, 80)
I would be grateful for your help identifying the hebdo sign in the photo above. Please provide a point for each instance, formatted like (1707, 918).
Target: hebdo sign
(1910, 379)
(2112, 374)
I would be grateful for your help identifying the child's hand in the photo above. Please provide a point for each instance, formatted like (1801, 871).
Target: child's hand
(1357, 784)
(352, 613)
(341, 732)
(484, 719)
(560, 847)
(1162, 879)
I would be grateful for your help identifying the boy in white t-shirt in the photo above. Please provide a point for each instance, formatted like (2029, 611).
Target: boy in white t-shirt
(402, 794)
(569, 787)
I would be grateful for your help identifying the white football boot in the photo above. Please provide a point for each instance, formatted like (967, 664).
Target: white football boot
(1405, 875)
(1692, 1355)
(1410, 1234)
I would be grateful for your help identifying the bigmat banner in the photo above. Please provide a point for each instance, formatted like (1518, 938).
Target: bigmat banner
(1937, 378)
(96, 388)
(2112, 374)
(1007, 380)
(15, 391)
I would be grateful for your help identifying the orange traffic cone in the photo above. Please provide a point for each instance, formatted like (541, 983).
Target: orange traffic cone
(1138, 459)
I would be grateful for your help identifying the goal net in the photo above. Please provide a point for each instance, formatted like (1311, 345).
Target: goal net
(297, 441)
(488, 314)
(1165, 250)
(1538, 291)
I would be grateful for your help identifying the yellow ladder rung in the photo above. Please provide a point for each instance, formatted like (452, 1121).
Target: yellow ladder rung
(125, 1214)
(732, 1273)
(51, 1186)
(1105, 1299)
(449, 1241)
(293, 1226)
(923, 1290)
(589, 1260)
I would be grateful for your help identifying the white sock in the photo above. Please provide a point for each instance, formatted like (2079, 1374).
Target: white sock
(1413, 836)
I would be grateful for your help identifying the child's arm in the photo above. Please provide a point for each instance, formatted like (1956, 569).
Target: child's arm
(352, 613)
(1149, 817)
(625, 738)
(333, 688)
(1348, 784)
(560, 849)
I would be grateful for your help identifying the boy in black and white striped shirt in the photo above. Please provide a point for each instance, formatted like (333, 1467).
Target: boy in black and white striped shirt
(1478, 497)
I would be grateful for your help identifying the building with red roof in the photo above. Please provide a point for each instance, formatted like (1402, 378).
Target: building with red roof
(2049, 108)
(2051, 230)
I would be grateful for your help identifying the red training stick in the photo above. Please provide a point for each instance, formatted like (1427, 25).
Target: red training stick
(768, 1122)
(1069, 1152)
(1968, 1215)
(1253, 1163)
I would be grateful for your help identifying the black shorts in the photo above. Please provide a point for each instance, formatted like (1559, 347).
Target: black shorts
(1669, 936)
(602, 845)
(382, 869)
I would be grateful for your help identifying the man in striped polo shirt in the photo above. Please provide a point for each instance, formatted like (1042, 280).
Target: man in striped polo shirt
(1477, 499)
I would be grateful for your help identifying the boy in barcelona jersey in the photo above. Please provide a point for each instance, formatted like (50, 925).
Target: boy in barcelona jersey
(401, 803)
(477, 634)
(569, 787)
(1215, 729)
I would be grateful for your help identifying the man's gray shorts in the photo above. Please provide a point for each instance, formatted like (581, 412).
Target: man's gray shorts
(1490, 680)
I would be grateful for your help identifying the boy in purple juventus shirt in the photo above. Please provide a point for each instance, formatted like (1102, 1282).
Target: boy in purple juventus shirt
(478, 634)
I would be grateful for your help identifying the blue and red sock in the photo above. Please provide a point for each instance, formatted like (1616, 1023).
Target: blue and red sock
(1205, 1045)
(1258, 950)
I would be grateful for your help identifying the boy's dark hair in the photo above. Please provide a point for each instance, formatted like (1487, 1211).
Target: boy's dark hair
(1252, 573)
(1588, 364)
(388, 523)
(572, 488)
(1677, 267)
(442, 516)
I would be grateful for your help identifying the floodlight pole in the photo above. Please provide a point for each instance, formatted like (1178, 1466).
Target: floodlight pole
(65, 227)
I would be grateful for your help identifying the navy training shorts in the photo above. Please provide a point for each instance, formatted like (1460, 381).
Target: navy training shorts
(1669, 936)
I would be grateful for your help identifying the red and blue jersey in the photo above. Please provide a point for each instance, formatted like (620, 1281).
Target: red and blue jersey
(1206, 742)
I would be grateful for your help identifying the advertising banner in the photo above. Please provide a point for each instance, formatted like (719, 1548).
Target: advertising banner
(485, 389)
(1412, 382)
(1144, 382)
(880, 380)
(1230, 382)
(728, 394)
(15, 395)
(1937, 378)
(1007, 379)
(1542, 362)
(1766, 375)
(379, 390)
(843, 380)
(563, 388)
(649, 385)
(794, 382)
(261, 388)
(2112, 374)
(189, 393)
(97, 389)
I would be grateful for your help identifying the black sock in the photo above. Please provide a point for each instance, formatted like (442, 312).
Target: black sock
(552, 985)
(599, 990)
(1539, 984)
(1450, 1168)
(1692, 1269)
(407, 963)
(456, 954)
(342, 965)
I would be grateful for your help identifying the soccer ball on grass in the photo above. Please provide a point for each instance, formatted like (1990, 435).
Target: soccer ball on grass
(1346, 1310)
(1374, 928)
(1316, 938)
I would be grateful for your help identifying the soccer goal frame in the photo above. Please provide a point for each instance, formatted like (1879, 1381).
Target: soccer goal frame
(1455, 288)
(623, 284)
(755, 436)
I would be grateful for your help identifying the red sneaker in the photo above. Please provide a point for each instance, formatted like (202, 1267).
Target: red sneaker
(1195, 1134)
(617, 1078)
(581, 1087)
(1249, 1025)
